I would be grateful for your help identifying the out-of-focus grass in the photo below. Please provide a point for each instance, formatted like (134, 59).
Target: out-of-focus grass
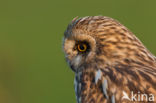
(32, 65)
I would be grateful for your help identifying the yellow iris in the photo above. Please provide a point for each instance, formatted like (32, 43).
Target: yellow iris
(82, 47)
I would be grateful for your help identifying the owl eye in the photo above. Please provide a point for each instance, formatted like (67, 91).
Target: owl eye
(82, 47)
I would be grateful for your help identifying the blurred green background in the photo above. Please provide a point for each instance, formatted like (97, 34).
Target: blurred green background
(32, 64)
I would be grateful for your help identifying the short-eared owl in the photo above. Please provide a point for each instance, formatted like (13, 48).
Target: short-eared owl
(111, 65)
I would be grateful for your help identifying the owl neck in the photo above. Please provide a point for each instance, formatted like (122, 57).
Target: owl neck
(90, 87)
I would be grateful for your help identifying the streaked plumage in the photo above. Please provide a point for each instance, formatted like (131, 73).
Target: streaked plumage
(114, 65)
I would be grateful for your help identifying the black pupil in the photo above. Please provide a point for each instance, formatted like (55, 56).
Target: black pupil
(82, 47)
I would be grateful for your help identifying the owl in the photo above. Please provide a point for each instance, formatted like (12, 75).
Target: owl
(110, 63)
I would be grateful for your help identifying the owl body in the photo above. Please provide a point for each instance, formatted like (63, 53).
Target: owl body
(111, 65)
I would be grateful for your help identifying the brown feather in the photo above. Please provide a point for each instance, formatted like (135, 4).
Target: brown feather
(124, 61)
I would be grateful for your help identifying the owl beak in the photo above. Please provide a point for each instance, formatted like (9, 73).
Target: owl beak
(75, 63)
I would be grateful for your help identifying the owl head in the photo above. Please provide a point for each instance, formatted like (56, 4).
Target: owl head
(98, 41)
(79, 45)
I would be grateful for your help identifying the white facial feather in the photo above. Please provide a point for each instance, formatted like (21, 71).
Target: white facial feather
(76, 61)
